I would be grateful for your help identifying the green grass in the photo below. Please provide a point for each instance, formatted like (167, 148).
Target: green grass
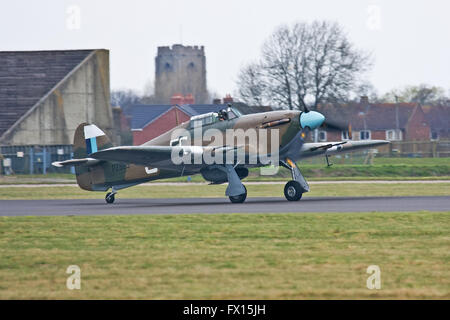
(227, 256)
(381, 167)
(402, 170)
(358, 159)
(312, 168)
(411, 161)
(285, 176)
(50, 178)
(263, 190)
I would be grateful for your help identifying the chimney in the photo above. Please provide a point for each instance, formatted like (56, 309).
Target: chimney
(227, 99)
(189, 99)
(177, 98)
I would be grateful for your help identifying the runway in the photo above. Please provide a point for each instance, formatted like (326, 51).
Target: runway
(220, 205)
(157, 183)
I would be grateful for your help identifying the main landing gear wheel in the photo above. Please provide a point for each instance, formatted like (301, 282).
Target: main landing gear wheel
(240, 198)
(293, 191)
(109, 198)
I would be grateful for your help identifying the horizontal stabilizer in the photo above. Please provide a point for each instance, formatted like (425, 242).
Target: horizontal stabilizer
(76, 162)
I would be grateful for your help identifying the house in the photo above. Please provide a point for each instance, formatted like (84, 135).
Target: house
(150, 121)
(383, 121)
(439, 119)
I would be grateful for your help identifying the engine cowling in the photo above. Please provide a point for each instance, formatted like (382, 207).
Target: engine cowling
(217, 176)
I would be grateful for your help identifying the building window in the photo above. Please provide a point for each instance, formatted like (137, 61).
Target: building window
(434, 135)
(191, 65)
(345, 135)
(364, 135)
(392, 135)
(322, 136)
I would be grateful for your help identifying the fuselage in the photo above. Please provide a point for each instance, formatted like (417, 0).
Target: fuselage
(255, 134)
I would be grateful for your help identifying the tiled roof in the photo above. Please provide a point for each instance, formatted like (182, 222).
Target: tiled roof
(143, 114)
(26, 76)
(370, 116)
(196, 109)
(438, 117)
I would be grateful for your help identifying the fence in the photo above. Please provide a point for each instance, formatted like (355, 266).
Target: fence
(400, 149)
(420, 149)
(33, 159)
(38, 159)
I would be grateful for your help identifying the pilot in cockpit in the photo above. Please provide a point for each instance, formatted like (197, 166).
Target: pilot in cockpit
(223, 115)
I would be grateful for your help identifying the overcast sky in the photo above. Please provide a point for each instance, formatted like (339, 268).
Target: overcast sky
(409, 39)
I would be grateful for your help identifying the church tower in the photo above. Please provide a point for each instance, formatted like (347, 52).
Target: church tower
(180, 70)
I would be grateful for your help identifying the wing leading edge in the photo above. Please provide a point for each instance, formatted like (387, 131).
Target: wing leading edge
(315, 149)
(148, 155)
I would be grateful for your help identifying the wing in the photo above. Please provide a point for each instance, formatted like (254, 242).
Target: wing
(148, 155)
(315, 149)
(159, 156)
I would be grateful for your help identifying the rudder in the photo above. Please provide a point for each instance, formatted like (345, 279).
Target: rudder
(88, 139)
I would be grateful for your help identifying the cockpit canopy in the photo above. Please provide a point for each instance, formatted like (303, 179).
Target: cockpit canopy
(206, 119)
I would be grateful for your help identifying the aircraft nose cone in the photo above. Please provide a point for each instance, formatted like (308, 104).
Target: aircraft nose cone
(311, 119)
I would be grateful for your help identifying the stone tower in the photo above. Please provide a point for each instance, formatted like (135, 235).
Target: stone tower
(180, 69)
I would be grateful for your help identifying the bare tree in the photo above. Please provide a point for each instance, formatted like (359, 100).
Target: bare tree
(124, 99)
(304, 65)
(250, 84)
(365, 89)
(423, 94)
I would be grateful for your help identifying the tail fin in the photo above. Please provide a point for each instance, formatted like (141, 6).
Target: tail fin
(88, 139)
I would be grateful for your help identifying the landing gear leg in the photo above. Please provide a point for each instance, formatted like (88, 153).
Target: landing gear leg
(294, 189)
(328, 161)
(109, 198)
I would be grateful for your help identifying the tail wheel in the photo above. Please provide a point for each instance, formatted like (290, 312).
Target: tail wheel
(109, 198)
(293, 191)
(239, 198)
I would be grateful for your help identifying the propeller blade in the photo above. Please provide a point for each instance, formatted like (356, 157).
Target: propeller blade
(334, 125)
(338, 126)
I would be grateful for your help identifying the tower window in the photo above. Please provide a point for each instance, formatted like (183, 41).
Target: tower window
(191, 65)
(167, 66)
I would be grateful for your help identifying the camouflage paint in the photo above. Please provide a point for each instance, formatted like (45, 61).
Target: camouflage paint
(105, 174)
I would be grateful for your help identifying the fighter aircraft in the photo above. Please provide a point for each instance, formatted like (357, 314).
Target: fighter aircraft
(280, 137)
